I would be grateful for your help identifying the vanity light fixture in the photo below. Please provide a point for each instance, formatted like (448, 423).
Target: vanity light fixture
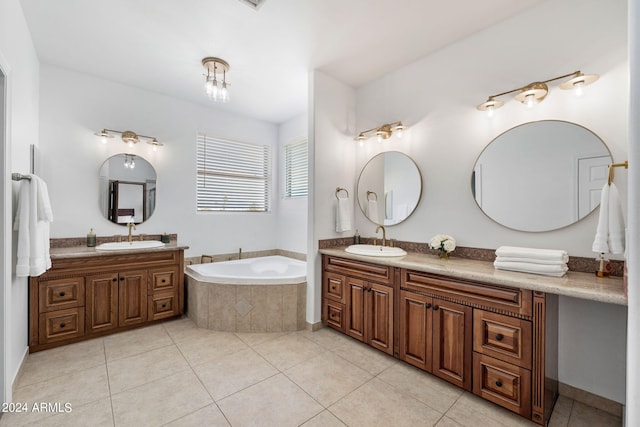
(382, 132)
(216, 91)
(536, 92)
(128, 137)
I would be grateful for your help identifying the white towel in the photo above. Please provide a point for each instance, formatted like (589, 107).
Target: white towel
(610, 233)
(531, 260)
(343, 215)
(32, 223)
(532, 253)
(372, 210)
(526, 267)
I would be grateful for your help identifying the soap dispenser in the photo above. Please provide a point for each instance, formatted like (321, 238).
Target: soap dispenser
(604, 266)
(91, 239)
(356, 238)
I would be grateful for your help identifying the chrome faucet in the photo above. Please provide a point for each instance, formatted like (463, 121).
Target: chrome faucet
(384, 234)
(131, 226)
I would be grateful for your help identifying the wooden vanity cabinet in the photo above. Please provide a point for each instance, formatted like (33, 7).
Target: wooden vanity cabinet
(80, 298)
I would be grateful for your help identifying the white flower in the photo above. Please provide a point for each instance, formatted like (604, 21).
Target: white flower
(435, 243)
(442, 242)
(449, 245)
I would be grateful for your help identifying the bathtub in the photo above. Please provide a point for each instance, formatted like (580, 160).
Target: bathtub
(266, 294)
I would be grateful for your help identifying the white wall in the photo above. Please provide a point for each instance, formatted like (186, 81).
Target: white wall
(292, 213)
(75, 105)
(436, 97)
(19, 63)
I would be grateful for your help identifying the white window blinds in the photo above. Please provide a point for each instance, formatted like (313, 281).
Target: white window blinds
(296, 175)
(232, 176)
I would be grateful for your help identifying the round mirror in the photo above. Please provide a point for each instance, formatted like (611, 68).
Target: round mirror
(127, 189)
(541, 176)
(389, 188)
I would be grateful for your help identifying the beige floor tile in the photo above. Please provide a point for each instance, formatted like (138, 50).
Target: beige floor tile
(274, 402)
(428, 389)
(94, 414)
(448, 422)
(252, 339)
(61, 361)
(327, 377)
(181, 329)
(587, 416)
(472, 411)
(22, 417)
(288, 350)
(144, 368)
(136, 341)
(561, 412)
(209, 416)
(356, 353)
(324, 419)
(161, 401)
(326, 337)
(233, 373)
(378, 404)
(210, 346)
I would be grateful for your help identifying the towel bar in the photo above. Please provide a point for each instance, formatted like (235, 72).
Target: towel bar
(624, 164)
(19, 177)
(339, 189)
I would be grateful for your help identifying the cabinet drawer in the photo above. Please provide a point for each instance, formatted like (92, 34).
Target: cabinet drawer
(58, 294)
(61, 325)
(514, 300)
(359, 269)
(334, 315)
(333, 287)
(163, 305)
(163, 279)
(503, 337)
(502, 383)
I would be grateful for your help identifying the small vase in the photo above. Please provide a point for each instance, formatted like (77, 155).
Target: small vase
(443, 254)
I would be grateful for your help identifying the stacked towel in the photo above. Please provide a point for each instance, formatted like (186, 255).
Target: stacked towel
(32, 223)
(343, 215)
(610, 234)
(548, 262)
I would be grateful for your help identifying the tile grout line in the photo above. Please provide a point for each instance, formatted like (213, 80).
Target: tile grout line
(106, 365)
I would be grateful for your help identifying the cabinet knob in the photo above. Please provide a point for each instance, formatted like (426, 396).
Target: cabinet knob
(62, 325)
(499, 337)
(427, 306)
(114, 280)
(499, 383)
(61, 294)
(122, 278)
(435, 307)
(163, 281)
(164, 305)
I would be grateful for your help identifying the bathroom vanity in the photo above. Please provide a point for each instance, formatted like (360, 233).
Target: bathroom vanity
(89, 293)
(493, 333)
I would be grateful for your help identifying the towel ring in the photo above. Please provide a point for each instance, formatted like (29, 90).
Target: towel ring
(339, 189)
(374, 194)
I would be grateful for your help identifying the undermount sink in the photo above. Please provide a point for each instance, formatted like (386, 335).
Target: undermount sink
(137, 244)
(375, 250)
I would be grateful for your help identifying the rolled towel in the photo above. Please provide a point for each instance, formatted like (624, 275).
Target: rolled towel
(525, 267)
(343, 215)
(530, 260)
(532, 253)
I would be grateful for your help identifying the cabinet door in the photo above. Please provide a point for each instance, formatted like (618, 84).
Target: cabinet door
(102, 302)
(379, 317)
(452, 344)
(132, 293)
(356, 292)
(415, 330)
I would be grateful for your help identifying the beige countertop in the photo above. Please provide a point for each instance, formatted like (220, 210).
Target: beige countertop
(84, 251)
(578, 285)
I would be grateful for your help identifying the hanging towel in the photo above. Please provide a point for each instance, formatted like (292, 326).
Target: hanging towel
(533, 253)
(343, 215)
(32, 223)
(372, 211)
(526, 267)
(610, 233)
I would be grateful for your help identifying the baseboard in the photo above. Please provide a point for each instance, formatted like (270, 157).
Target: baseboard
(610, 406)
(314, 326)
(16, 379)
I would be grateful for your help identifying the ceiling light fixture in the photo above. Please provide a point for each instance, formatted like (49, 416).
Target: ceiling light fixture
(536, 92)
(129, 161)
(215, 90)
(382, 132)
(128, 137)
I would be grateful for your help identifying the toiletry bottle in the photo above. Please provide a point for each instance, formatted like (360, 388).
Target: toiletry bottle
(604, 266)
(165, 238)
(91, 239)
(356, 238)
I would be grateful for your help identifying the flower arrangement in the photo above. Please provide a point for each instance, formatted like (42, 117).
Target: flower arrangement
(444, 244)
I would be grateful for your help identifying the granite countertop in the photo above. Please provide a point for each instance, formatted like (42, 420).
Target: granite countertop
(574, 284)
(84, 251)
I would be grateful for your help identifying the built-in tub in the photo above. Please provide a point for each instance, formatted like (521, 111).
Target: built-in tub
(266, 294)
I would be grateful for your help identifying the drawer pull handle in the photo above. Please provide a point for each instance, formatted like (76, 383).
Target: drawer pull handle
(62, 325)
(435, 307)
(61, 294)
(427, 306)
(114, 280)
(122, 278)
(499, 383)
(499, 337)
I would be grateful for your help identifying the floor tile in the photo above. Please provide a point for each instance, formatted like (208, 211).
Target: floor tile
(252, 339)
(447, 422)
(327, 377)
(274, 402)
(233, 373)
(430, 390)
(136, 341)
(587, 416)
(358, 353)
(144, 368)
(209, 347)
(561, 412)
(472, 411)
(209, 416)
(288, 350)
(324, 419)
(326, 337)
(181, 329)
(161, 401)
(94, 414)
(378, 404)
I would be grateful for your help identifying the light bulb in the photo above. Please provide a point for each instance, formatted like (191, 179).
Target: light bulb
(155, 147)
(132, 164)
(224, 92)
(530, 100)
(380, 138)
(215, 90)
(103, 139)
(131, 144)
(579, 87)
(490, 111)
(399, 133)
(361, 143)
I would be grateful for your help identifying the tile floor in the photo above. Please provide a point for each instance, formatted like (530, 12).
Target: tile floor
(175, 374)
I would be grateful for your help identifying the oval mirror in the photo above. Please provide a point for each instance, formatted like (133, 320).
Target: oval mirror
(127, 189)
(541, 176)
(389, 188)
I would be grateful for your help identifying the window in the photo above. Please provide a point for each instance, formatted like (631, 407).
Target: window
(232, 176)
(296, 175)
